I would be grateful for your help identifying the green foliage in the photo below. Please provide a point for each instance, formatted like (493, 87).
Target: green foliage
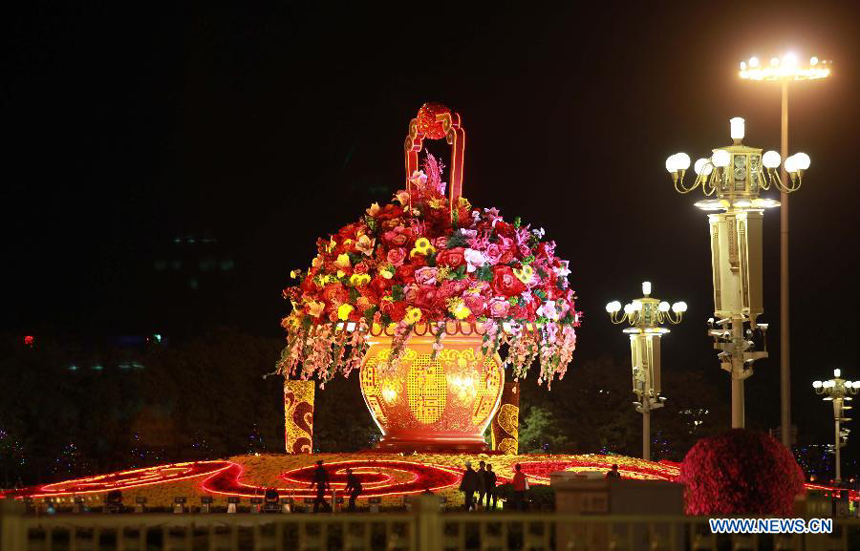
(540, 432)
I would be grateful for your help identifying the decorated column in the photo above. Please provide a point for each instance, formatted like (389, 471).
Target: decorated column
(506, 422)
(299, 416)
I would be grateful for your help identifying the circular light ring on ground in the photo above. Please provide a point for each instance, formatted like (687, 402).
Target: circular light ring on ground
(378, 477)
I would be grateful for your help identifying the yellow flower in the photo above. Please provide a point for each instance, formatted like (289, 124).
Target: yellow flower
(295, 273)
(525, 275)
(436, 203)
(343, 311)
(342, 261)
(386, 272)
(374, 208)
(315, 308)
(359, 279)
(340, 274)
(422, 246)
(459, 309)
(331, 244)
(317, 262)
(413, 315)
(465, 204)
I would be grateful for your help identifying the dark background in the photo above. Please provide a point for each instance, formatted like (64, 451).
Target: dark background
(166, 167)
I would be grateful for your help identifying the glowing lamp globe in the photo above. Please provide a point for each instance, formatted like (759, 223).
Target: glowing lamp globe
(802, 161)
(720, 159)
(771, 159)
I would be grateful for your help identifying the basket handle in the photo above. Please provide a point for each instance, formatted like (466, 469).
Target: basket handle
(435, 121)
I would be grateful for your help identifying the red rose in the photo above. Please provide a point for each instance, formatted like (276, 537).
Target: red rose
(395, 310)
(389, 211)
(476, 303)
(396, 256)
(506, 257)
(428, 298)
(361, 268)
(334, 293)
(451, 257)
(380, 285)
(503, 228)
(397, 237)
(406, 273)
(453, 288)
(505, 282)
(346, 232)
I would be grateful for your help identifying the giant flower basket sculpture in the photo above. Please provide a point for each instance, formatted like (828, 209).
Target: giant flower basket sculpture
(422, 293)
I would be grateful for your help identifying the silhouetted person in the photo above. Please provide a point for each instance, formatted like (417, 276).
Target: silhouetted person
(482, 483)
(490, 485)
(468, 485)
(613, 473)
(353, 488)
(521, 484)
(320, 480)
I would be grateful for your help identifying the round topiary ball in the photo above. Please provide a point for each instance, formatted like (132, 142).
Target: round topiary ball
(741, 472)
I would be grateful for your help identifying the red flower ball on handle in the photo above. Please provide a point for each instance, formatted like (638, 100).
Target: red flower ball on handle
(427, 123)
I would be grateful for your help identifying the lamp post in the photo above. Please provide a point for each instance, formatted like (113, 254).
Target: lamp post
(784, 71)
(837, 390)
(645, 316)
(732, 179)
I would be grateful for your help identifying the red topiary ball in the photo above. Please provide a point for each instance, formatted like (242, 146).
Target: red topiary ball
(741, 472)
(427, 123)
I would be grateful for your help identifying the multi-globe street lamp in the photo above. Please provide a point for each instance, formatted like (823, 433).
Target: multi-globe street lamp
(646, 315)
(838, 391)
(733, 178)
(785, 71)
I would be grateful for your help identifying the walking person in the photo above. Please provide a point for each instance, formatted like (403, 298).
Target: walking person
(353, 488)
(320, 480)
(468, 485)
(490, 480)
(521, 484)
(482, 483)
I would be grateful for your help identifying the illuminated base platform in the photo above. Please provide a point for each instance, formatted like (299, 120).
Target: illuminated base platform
(389, 477)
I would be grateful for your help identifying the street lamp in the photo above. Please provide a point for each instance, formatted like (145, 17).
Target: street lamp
(837, 390)
(784, 71)
(732, 179)
(645, 316)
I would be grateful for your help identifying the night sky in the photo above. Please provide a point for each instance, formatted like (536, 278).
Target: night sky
(254, 131)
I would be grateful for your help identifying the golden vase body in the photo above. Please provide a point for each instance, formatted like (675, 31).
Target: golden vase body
(426, 404)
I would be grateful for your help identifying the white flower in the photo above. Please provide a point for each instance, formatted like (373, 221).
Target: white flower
(547, 310)
(474, 259)
(563, 271)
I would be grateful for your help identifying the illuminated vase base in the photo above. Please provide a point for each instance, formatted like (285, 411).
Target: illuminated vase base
(423, 404)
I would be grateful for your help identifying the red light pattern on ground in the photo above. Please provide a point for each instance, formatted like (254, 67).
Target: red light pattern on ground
(378, 477)
(123, 480)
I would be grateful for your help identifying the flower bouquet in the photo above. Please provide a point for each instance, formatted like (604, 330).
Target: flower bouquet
(423, 292)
